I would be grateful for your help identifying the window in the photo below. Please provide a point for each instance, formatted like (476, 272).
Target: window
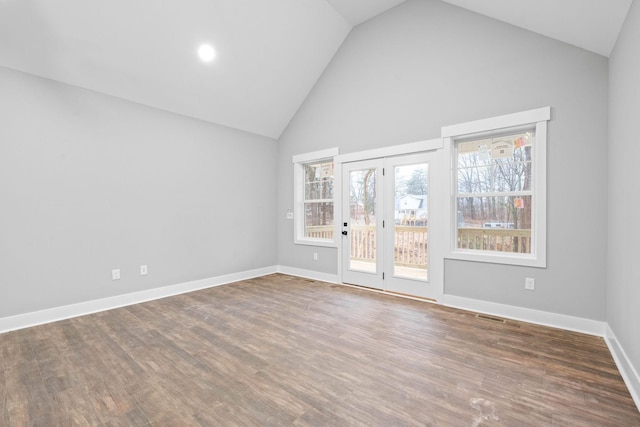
(314, 197)
(498, 201)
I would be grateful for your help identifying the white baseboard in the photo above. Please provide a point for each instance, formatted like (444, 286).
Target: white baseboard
(626, 368)
(308, 274)
(561, 321)
(26, 320)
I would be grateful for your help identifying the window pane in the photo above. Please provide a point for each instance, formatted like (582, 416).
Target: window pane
(318, 181)
(509, 175)
(314, 198)
(474, 179)
(501, 224)
(512, 212)
(499, 188)
(318, 190)
(318, 220)
(500, 164)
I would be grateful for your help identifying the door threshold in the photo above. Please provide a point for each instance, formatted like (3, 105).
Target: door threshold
(391, 293)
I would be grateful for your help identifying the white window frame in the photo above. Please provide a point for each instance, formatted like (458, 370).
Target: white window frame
(298, 185)
(537, 119)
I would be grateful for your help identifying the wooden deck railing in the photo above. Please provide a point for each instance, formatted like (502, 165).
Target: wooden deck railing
(363, 242)
(411, 242)
(495, 239)
(411, 246)
(320, 232)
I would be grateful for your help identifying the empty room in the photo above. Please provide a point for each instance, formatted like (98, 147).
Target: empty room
(319, 213)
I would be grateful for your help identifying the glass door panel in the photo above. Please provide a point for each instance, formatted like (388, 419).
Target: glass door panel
(362, 220)
(362, 223)
(413, 246)
(388, 208)
(411, 212)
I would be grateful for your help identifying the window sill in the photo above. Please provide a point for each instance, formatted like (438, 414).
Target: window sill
(493, 258)
(313, 242)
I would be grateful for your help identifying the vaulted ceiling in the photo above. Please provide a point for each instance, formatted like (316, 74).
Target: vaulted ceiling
(590, 24)
(269, 53)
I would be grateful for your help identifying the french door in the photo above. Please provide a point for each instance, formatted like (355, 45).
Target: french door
(391, 225)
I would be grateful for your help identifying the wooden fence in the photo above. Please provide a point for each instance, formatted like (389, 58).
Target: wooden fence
(495, 239)
(319, 232)
(411, 246)
(411, 242)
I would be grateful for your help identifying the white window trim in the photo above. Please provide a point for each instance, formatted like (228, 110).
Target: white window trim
(299, 161)
(538, 118)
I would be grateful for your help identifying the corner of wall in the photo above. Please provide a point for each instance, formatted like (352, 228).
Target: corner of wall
(626, 368)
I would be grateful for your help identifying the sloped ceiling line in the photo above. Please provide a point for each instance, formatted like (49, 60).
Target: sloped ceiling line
(270, 53)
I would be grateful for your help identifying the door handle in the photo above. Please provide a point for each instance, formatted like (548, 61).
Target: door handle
(344, 233)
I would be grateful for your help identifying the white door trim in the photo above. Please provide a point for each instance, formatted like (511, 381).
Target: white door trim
(433, 287)
(394, 150)
(436, 144)
(375, 279)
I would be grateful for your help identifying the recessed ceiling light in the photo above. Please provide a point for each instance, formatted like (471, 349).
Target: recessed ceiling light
(206, 52)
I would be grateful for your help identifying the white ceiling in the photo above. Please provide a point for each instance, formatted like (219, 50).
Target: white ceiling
(269, 53)
(358, 11)
(593, 25)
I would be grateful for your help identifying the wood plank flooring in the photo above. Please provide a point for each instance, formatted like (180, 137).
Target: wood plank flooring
(279, 350)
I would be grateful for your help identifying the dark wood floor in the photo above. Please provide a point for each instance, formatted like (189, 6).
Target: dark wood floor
(281, 351)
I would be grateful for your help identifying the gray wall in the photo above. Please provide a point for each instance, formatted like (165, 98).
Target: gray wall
(623, 280)
(89, 183)
(424, 64)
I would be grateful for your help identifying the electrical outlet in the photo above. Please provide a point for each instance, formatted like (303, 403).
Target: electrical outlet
(315, 256)
(530, 284)
(115, 274)
(143, 270)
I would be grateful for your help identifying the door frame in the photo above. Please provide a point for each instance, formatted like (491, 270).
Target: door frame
(432, 145)
(432, 288)
(374, 279)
